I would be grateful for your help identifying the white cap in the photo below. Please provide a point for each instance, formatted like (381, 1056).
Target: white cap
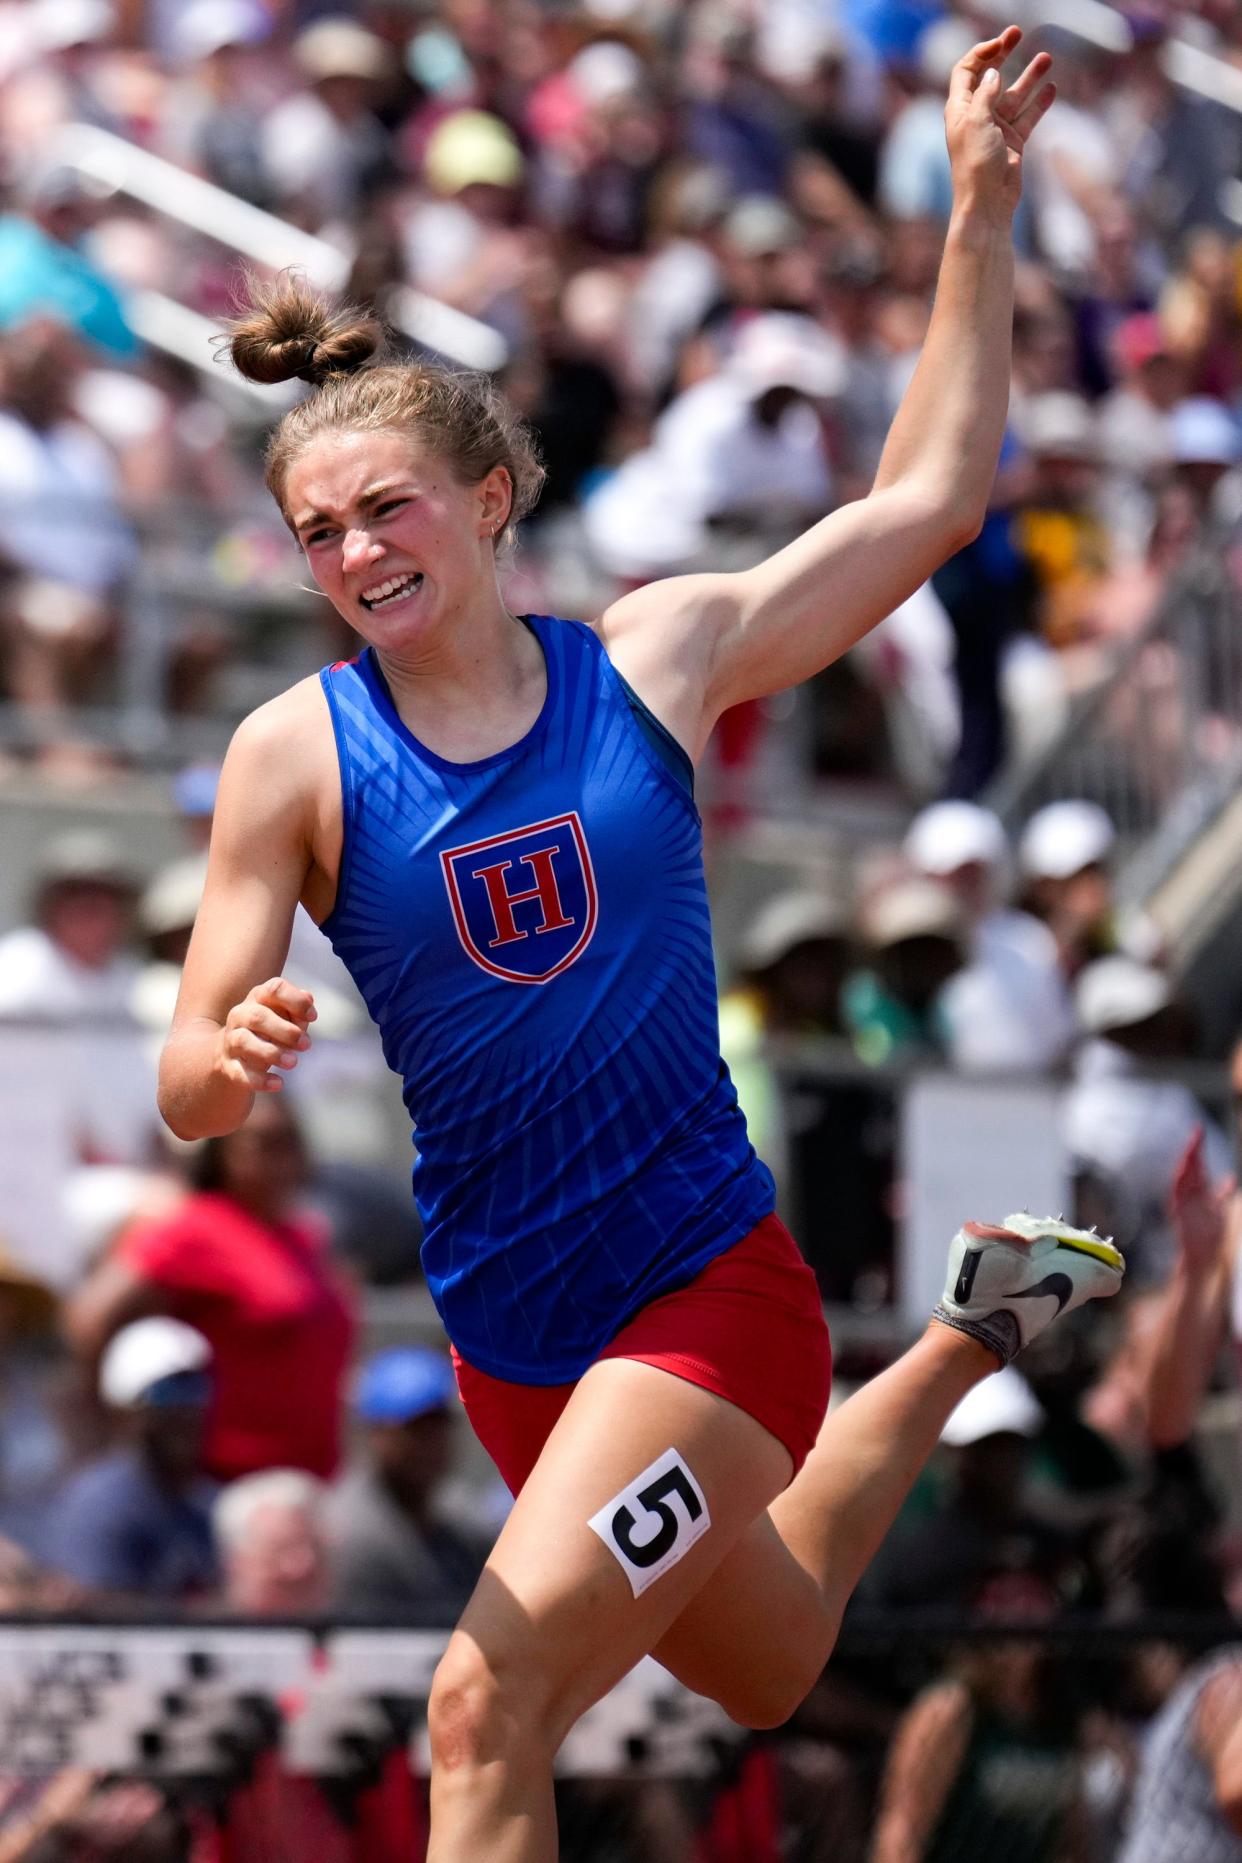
(787, 921)
(949, 835)
(606, 71)
(1002, 1405)
(172, 900)
(207, 26)
(141, 1354)
(1117, 992)
(1059, 425)
(782, 349)
(58, 24)
(1203, 433)
(761, 224)
(1063, 838)
(940, 47)
(340, 48)
(913, 908)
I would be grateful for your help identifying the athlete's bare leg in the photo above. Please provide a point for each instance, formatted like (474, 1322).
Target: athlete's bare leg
(555, 1622)
(747, 1607)
(757, 1635)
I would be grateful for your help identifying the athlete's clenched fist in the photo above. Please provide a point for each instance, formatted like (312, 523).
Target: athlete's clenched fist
(264, 1034)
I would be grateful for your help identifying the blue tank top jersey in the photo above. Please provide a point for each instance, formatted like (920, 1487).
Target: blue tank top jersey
(530, 933)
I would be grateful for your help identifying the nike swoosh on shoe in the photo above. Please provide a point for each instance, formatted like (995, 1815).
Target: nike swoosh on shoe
(1058, 1285)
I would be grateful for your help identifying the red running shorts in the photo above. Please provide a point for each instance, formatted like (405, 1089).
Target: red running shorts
(750, 1327)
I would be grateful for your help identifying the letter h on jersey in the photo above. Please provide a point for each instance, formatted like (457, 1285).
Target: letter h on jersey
(524, 903)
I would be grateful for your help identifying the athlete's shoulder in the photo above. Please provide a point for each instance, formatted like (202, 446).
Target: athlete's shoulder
(281, 720)
(285, 744)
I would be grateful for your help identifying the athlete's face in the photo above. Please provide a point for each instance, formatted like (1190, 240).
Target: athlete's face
(398, 545)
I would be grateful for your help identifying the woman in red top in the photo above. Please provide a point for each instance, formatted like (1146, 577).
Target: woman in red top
(236, 1261)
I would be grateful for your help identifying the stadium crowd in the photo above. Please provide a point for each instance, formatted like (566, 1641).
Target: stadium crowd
(704, 236)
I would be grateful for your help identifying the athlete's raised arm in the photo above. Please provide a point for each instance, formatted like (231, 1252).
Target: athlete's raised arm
(238, 1023)
(695, 645)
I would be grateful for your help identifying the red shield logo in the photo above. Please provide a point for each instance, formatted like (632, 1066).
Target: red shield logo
(524, 903)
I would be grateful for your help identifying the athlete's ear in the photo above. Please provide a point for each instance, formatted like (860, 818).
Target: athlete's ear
(495, 501)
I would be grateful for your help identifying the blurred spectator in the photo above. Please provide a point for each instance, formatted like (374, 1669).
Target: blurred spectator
(238, 1259)
(1074, 167)
(324, 148)
(596, 184)
(827, 1140)
(272, 1544)
(1188, 1795)
(138, 1520)
(1058, 528)
(1008, 1009)
(1063, 858)
(32, 1445)
(836, 85)
(396, 1546)
(57, 607)
(1206, 445)
(466, 242)
(1199, 309)
(214, 123)
(1174, 148)
(792, 964)
(682, 275)
(1118, 284)
(73, 961)
(763, 246)
(271, 1532)
(981, 1524)
(915, 183)
(44, 275)
(985, 589)
(1136, 432)
(732, 118)
(988, 1762)
(1200, 1304)
(744, 450)
(1125, 1128)
(914, 940)
(567, 384)
(166, 914)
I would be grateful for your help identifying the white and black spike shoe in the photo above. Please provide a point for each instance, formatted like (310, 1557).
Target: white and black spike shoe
(1009, 1280)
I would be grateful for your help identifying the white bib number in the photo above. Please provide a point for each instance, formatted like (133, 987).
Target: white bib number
(654, 1522)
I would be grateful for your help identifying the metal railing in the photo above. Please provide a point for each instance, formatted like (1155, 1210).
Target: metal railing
(1156, 741)
(115, 165)
(323, 1724)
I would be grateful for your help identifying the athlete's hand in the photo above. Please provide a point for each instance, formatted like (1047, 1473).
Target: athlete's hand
(264, 1034)
(1198, 1209)
(987, 124)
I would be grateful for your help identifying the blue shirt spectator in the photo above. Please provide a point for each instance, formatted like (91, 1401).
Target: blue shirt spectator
(138, 1519)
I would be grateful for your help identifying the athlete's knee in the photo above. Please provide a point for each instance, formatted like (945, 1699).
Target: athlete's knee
(481, 1709)
(772, 1690)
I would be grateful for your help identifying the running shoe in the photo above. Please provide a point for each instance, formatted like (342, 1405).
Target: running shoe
(1009, 1280)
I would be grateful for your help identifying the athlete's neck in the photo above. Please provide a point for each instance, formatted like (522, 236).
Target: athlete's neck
(477, 689)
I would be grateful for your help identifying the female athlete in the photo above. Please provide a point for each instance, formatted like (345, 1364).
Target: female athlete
(492, 820)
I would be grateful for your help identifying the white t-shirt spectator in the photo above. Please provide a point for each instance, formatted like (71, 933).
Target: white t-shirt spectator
(311, 155)
(709, 458)
(1074, 159)
(59, 516)
(106, 1095)
(37, 978)
(1129, 1131)
(1009, 1009)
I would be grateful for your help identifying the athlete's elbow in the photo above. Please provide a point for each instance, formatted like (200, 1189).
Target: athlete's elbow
(961, 524)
